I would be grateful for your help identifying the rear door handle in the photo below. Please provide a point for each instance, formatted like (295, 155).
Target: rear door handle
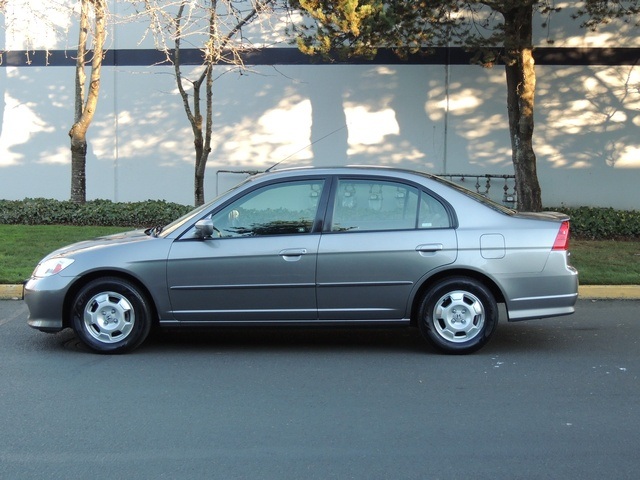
(429, 248)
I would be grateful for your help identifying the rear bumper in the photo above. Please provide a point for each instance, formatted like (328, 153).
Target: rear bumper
(542, 296)
(541, 307)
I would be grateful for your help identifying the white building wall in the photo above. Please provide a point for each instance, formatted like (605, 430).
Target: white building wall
(427, 117)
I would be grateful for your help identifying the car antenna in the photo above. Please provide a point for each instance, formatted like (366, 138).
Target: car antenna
(305, 147)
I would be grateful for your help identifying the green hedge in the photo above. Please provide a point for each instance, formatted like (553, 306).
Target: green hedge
(586, 222)
(595, 223)
(42, 211)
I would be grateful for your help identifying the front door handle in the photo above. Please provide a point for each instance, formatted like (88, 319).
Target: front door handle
(292, 254)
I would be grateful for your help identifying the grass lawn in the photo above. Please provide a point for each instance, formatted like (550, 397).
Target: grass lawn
(606, 262)
(22, 246)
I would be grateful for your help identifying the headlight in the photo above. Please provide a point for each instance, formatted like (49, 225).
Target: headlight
(52, 266)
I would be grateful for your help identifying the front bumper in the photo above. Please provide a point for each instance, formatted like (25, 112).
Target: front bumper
(44, 298)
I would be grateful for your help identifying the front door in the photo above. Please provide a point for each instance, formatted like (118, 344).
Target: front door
(261, 267)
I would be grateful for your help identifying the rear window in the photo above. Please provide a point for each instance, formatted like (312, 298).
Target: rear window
(476, 196)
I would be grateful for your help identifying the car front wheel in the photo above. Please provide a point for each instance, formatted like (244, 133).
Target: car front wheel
(111, 315)
(458, 315)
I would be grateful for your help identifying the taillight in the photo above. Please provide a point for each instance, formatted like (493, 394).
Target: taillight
(562, 239)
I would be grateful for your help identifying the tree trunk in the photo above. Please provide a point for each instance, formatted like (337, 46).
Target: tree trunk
(203, 132)
(78, 170)
(201, 139)
(198, 183)
(205, 140)
(85, 110)
(521, 85)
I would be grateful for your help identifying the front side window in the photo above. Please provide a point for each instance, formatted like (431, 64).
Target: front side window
(367, 205)
(279, 209)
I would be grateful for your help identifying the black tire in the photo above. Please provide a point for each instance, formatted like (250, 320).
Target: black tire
(111, 315)
(458, 315)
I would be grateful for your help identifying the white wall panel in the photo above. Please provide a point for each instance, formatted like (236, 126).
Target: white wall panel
(436, 118)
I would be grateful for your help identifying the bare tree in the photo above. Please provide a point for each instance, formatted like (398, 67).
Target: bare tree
(42, 21)
(221, 42)
(93, 13)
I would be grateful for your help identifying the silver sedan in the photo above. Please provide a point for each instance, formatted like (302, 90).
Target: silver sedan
(349, 246)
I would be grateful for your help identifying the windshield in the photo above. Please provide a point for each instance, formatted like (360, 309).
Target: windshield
(167, 229)
(194, 214)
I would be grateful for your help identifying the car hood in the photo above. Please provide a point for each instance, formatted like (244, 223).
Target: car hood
(101, 242)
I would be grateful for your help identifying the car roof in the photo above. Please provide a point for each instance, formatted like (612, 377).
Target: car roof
(349, 169)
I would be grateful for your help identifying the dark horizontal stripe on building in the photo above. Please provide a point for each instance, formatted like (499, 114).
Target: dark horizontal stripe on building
(292, 56)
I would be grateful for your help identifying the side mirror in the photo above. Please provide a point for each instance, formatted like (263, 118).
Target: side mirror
(205, 228)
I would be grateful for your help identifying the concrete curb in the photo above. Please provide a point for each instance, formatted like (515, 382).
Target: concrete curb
(593, 292)
(609, 292)
(11, 292)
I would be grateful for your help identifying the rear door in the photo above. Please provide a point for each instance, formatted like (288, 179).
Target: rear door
(382, 237)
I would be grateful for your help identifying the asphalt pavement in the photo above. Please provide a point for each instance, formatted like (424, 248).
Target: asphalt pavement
(554, 398)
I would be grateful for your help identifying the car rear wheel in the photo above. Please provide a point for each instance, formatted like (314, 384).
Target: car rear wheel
(458, 315)
(111, 315)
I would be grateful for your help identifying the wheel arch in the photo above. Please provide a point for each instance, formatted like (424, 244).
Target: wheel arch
(79, 282)
(432, 280)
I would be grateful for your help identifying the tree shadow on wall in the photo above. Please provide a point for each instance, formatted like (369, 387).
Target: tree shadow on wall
(590, 114)
(373, 115)
(3, 89)
(587, 134)
(38, 113)
(3, 74)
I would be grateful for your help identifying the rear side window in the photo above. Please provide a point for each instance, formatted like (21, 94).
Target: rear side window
(365, 205)
(432, 214)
